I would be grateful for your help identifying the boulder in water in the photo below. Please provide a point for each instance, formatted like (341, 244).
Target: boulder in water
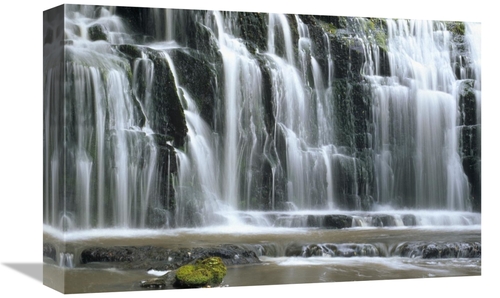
(165, 281)
(331, 221)
(154, 283)
(204, 273)
(383, 221)
(49, 251)
(97, 32)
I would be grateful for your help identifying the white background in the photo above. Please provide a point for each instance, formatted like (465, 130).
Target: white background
(21, 147)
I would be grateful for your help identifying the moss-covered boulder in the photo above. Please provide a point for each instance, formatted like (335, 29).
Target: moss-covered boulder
(192, 276)
(216, 268)
(203, 273)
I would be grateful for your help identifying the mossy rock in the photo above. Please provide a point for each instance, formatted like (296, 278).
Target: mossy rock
(216, 267)
(192, 276)
(204, 273)
(457, 28)
(97, 32)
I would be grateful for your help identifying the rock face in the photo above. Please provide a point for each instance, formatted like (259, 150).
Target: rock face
(332, 250)
(158, 258)
(439, 250)
(470, 138)
(334, 221)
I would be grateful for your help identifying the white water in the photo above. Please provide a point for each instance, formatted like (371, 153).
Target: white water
(417, 107)
(106, 145)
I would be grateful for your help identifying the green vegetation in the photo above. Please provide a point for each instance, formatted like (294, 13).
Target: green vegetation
(377, 26)
(216, 268)
(381, 40)
(192, 277)
(457, 28)
(370, 24)
(204, 273)
(328, 27)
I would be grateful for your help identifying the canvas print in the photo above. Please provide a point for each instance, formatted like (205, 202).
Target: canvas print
(200, 149)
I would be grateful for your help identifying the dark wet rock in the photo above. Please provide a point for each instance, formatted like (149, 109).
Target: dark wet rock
(332, 221)
(467, 103)
(332, 250)
(470, 138)
(409, 220)
(313, 250)
(114, 254)
(253, 27)
(439, 250)
(267, 249)
(353, 250)
(97, 32)
(49, 251)
(129, 51)
(431, 251)
(168, 117)
(230, 254)
(165, 281)
(199, 75)
(137, 18)
(154, 283)
(383, 221)
(160, 258)
(294, 250)
(337, 221)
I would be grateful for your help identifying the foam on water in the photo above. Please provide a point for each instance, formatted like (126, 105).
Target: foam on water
(386, 263)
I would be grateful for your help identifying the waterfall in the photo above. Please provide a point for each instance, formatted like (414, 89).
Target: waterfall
(242, 92)
(110, 159)
(207, 116)
(415, 107)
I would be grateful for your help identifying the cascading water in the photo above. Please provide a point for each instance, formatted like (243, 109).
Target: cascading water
(298, 119)
(417, 156)
(109, 171)
(273, 134)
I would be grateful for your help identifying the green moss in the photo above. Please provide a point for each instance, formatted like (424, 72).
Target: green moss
(377, 27)
(328, 27)
(370, 24)
(193, 276)
(457, 28)
(381, 40)
(206, 272)
(216, 267)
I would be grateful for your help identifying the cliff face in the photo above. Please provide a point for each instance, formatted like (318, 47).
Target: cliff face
(259, 111)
